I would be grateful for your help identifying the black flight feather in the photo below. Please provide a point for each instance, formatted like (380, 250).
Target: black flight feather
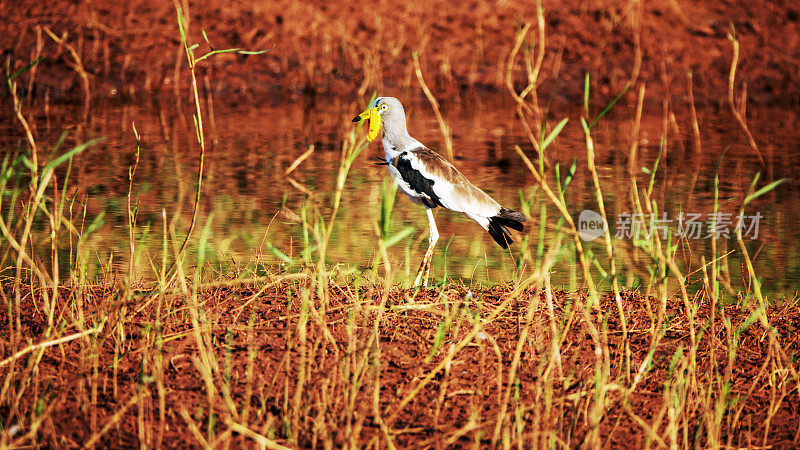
(505, 218)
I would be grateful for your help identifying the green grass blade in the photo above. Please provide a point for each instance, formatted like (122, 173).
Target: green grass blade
(586, 96)
(764, 190)
(27, 67)
(553, 134)
(57, 162)
(279, 254)
(610, 105)
(399, 236)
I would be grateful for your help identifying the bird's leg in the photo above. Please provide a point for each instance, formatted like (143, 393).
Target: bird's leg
(425, 267)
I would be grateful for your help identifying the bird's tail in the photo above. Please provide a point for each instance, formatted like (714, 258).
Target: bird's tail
(499, 224)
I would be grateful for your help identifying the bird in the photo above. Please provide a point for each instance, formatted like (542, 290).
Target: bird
(431, 181)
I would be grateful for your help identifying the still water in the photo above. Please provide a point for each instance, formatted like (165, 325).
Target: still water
(252, 202)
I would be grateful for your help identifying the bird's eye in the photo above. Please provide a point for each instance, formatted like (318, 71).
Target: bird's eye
(384, 107)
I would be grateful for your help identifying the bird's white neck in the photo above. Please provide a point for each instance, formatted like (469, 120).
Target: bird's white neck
(396, 139)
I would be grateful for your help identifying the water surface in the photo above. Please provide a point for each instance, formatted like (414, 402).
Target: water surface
(248, 194)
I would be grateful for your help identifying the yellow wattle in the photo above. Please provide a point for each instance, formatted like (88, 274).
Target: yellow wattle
(374, 123)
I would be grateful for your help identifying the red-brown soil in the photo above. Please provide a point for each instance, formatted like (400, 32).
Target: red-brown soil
(131, 47)
(336, 401)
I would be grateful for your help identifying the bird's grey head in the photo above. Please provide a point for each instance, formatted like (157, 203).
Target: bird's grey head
(392, 115)
(386, 111)
(393, 105)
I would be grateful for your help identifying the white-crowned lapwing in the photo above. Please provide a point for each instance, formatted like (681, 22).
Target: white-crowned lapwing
(429, 180)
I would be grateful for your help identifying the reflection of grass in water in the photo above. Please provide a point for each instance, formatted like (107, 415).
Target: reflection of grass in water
(294, 346)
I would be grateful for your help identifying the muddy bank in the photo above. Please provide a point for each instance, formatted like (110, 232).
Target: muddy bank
(131, 47)
(307, 374)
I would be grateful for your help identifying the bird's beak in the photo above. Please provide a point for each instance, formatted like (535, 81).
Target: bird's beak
(361, 116)
(374, 117)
